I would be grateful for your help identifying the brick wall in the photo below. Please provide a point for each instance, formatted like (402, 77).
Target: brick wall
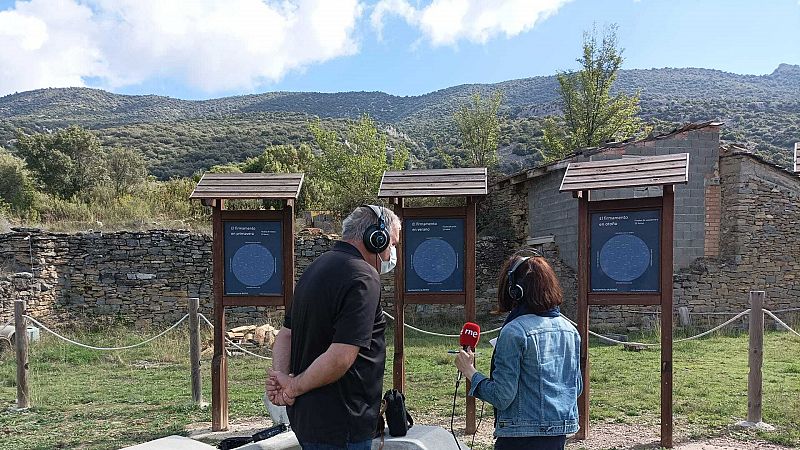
(712, 221)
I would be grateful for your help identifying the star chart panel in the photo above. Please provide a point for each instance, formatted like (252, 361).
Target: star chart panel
(253, 253)
(434, 255)
(625, 251)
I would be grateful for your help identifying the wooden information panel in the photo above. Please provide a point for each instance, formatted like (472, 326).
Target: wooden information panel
(436, 258)
(625, 254)
(253, 257)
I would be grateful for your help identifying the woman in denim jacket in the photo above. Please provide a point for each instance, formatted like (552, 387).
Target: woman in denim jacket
(535, 376)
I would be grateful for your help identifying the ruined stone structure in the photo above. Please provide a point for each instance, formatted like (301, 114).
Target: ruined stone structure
(736, 224)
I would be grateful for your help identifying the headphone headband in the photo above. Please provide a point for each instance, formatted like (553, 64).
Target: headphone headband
(517, 264)
(515, 290)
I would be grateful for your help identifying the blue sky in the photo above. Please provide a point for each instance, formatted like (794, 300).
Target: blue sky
(197, 49)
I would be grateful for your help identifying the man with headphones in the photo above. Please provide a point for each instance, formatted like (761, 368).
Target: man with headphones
(330, 354)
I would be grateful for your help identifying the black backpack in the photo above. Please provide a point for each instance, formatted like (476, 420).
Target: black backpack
(397, 417)
(238, 441)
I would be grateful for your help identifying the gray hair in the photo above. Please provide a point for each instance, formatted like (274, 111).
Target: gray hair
(361, 218)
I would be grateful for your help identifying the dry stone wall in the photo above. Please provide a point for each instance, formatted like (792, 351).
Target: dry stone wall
(145, 278)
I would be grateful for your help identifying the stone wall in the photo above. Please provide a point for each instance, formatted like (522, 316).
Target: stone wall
(146, 278)
(140, 278)
(504, 213)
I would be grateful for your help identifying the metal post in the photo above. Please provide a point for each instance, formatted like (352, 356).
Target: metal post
(194, 350)
(756, 356)
(21, 345)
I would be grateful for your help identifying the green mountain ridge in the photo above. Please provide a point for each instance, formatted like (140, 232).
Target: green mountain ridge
(179, 137)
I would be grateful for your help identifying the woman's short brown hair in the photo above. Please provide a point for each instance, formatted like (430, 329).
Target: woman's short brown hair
(539, 283)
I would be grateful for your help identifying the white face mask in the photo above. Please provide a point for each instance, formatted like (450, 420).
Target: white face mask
(388, 266)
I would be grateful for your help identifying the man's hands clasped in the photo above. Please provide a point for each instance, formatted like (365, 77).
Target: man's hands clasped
(281, 388)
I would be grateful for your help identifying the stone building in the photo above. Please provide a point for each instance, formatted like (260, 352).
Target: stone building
(736, 221)
(797, 157)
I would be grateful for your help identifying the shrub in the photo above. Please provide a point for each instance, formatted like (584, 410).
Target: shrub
(16, 187)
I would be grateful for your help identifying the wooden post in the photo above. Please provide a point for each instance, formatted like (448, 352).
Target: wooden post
(21, 345)
(399, 367)
(194, 350)
(667, 220)
(755, 356)
(288, 262)
(583, 311)
(219, 363)
(470, 233)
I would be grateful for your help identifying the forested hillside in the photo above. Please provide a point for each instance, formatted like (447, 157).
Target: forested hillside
(179, 137)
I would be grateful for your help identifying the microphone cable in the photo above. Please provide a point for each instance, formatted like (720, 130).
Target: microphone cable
(453, 414)
(472, 444)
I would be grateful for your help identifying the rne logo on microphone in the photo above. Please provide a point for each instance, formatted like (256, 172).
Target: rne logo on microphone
(472, 333)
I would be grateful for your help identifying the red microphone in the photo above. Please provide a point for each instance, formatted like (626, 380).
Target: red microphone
(470, 334)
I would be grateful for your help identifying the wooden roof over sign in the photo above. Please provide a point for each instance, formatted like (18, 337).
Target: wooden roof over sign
(797, 157)
(248, 186)
(639, 171)
(434, 183)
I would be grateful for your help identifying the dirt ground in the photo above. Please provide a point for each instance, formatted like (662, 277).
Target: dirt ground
(602, 436)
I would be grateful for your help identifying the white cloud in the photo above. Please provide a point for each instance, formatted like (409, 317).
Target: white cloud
(212, 45)
(445, 22)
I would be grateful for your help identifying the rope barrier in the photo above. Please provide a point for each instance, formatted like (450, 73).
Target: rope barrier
(597, 335)
(780, 322)
(600, 336)
(105, 348)
(3, 337)
(233, 343)
(614, 341)
(436, 334)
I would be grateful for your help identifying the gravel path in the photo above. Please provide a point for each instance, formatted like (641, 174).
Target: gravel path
(603, 436)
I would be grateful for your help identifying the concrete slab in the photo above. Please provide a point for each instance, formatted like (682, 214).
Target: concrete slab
(172, 443)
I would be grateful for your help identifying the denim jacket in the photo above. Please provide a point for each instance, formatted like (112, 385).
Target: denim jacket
(536, 380)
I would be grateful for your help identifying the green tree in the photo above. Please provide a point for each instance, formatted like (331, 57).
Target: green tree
(349, 168)
(66, 163)
(479, 126)
(591, 114)
(226, 168)
(16, 187)
(290, 159)
(126, 169)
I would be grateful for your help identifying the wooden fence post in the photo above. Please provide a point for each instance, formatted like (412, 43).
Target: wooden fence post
(194, 350)
(755, 359)
(755, 356)
(21, 345)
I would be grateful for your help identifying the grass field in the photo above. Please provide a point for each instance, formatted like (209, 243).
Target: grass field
(106, 400)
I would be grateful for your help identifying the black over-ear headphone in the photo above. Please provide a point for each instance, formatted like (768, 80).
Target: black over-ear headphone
(515, 290)
(376, 237)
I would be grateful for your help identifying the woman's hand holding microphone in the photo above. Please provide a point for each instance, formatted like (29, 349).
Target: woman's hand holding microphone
(465, 362)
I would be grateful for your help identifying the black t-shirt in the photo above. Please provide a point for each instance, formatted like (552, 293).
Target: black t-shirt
(337, 300)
